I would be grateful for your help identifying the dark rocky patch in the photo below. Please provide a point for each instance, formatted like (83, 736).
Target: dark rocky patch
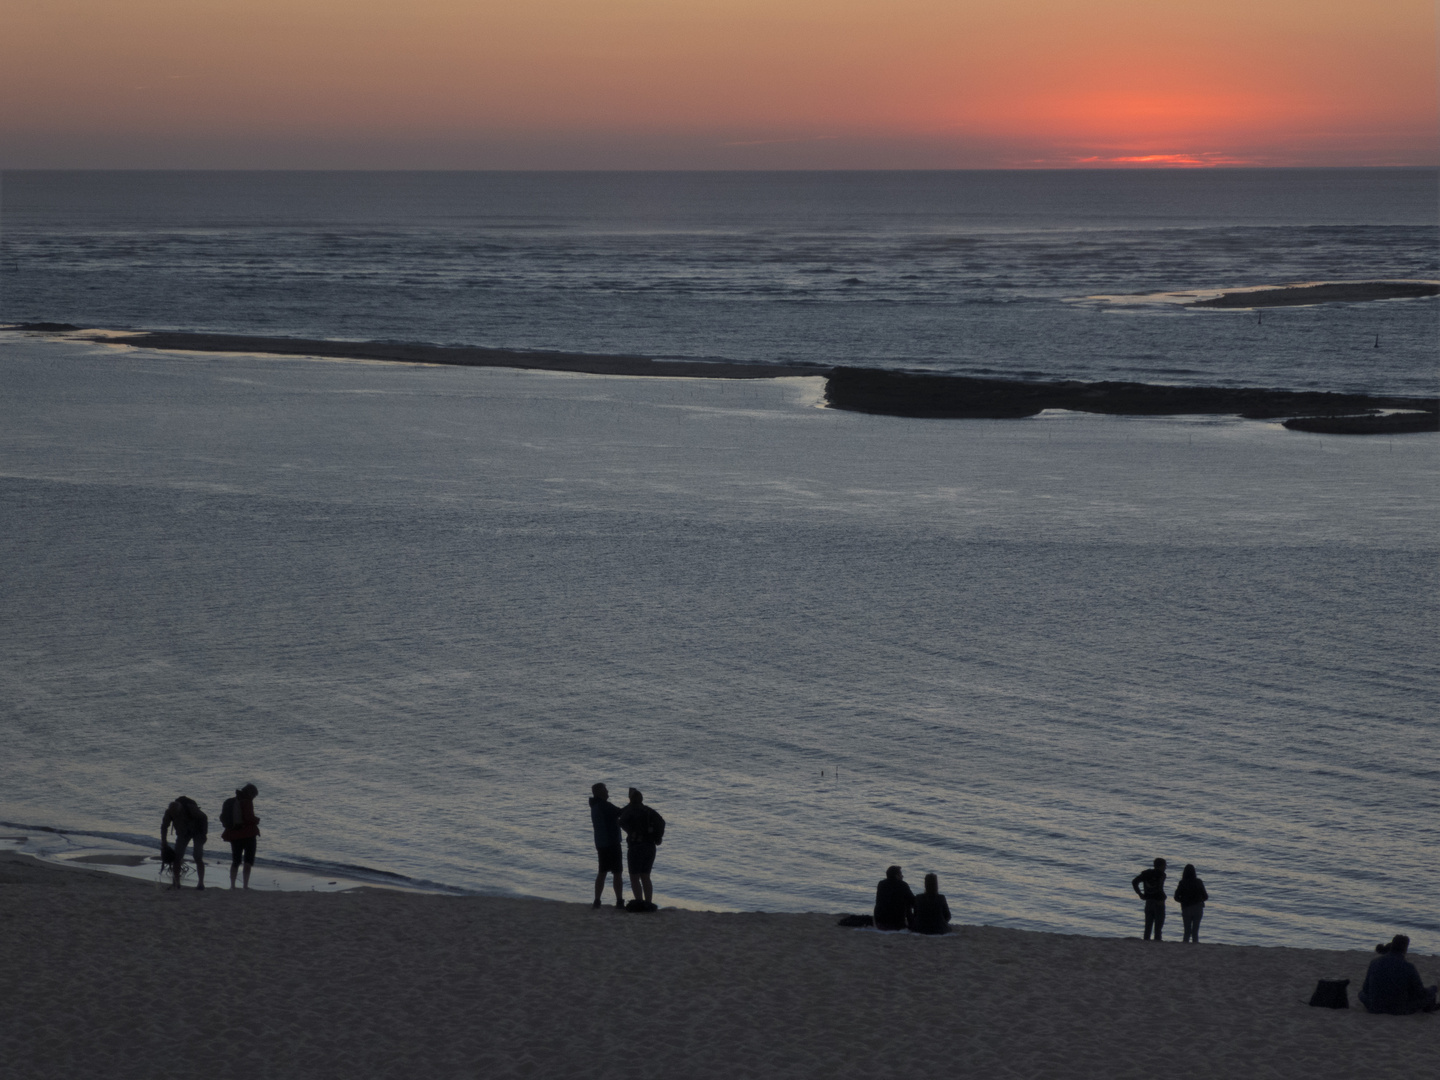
(1402, 423)
(889, 393)
(1337, 292)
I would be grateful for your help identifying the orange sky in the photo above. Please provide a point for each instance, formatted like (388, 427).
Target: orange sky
(716, 83)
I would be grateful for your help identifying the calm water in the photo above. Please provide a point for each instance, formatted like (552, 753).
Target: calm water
(425, 608)
(966, 272)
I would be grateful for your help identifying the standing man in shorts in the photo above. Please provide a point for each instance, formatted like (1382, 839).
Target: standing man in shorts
(1149, 885)
(605, 817)
(644, 829)
(190, 824)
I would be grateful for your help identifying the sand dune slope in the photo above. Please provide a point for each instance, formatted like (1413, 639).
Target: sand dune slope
(105, 976)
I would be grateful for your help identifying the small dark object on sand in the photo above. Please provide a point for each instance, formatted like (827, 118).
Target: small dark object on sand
(641, 906)
(1330, 994)
(857, 920)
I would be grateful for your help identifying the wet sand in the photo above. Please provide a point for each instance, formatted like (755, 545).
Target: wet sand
(109, 976)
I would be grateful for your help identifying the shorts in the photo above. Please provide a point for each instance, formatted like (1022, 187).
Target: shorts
(610, 862)
(641, 857)
(242, 847)
(181, 842)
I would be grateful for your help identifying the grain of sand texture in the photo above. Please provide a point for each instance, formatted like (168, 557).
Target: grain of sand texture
(106, 976)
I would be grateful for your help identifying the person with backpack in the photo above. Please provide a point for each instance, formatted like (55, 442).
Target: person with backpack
(644, 831)
(237, 815)
(190, 825)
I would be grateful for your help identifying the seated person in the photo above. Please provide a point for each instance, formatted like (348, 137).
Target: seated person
(893, 902)
(1392, 985)
(932, 914)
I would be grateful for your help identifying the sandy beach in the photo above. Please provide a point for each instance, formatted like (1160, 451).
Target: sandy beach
(109, 976)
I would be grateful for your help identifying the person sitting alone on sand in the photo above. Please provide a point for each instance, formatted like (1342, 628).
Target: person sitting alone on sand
(1153, 894)
(605, 821)
(932, 913)
(190, 823)
(1392, 985)
(1190, 894)
(894, 902)
(644, 829)
(242, 828)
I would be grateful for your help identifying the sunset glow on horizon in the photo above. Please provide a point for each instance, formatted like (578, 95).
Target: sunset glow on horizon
(717, 84)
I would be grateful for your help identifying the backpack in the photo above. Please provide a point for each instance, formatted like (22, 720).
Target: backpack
(229, 813)
(654, 826)
(199, 823)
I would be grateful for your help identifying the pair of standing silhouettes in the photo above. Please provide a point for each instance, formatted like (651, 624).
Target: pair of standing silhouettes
(644, 830)
(1190, 894)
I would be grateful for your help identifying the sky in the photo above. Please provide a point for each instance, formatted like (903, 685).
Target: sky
(716, 84)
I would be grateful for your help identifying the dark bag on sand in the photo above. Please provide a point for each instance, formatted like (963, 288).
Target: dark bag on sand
(228, 813)
(1330, 994)
(640, 906)
(857, 920)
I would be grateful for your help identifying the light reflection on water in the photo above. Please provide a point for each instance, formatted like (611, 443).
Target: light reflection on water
(424, 609)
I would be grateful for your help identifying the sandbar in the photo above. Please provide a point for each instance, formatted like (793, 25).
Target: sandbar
(108, 976)
(858, 389)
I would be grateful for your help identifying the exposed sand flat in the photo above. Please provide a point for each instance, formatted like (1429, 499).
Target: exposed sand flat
(106, 976)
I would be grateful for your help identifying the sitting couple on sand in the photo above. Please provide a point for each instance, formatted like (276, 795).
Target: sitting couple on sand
(644, 830)
(1392, 985)
(897, 908)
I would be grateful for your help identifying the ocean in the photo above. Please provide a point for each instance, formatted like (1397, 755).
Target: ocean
(424, 608)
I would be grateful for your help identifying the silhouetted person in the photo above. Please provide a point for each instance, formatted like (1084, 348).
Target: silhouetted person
(893, 902)
(242, 828)
(1392, 985)
(605, 817)
(190, 824)
(932, 913)
(1190, 894)
(644, 829)
(1149, 885)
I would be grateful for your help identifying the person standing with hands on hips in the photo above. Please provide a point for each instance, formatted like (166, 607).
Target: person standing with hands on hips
(1153, 894)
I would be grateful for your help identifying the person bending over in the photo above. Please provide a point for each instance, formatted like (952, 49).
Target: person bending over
(1153, 894)
(894, 902)
(932, 913)
(190, 824)
(1392, 985)
(242, 828)
(605, 820)
(1190, 894)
